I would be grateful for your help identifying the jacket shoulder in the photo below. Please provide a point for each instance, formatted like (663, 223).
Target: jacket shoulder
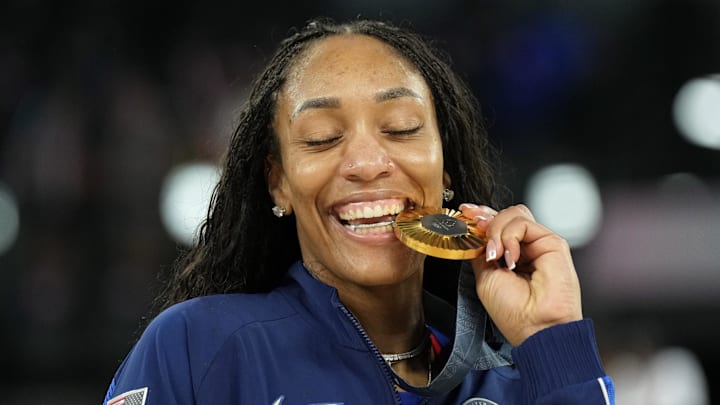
(228, 310)
(174, 352)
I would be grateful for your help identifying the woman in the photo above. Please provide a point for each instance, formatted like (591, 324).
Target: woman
(298, 291)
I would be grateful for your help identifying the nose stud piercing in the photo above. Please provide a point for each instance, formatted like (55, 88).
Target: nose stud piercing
(279, 211)
(448, 194)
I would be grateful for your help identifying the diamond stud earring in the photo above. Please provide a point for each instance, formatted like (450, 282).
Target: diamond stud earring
(279, 211)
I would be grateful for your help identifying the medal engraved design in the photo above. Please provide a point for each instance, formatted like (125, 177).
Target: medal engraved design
(439, 232)
(444, 224)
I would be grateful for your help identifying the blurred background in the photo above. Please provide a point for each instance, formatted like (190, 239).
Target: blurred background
(115, 114)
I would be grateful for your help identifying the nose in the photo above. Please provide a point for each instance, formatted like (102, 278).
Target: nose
(365, 159)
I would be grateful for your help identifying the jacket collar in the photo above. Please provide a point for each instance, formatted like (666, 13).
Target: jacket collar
(321, 303)
(477, 345)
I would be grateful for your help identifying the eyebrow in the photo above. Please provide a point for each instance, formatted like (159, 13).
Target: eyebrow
(319, 102)
(334, 102)
(394, 93)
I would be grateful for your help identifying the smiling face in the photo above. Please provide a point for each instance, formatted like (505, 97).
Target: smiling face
(359, 143)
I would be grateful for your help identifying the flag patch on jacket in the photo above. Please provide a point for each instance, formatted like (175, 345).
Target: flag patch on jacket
(134, 397)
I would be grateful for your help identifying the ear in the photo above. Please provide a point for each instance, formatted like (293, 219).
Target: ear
(447, 182)
(277, 184)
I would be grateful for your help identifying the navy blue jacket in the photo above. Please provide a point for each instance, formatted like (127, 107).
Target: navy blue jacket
(300, 345)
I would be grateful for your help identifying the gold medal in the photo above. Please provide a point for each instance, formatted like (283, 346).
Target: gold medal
(440, 232)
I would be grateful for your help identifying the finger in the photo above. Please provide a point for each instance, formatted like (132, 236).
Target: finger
(519, 230)
(504, 247)
(551, 242)
(512, 227)
(529, 243)
(481, 215)
(477, 212)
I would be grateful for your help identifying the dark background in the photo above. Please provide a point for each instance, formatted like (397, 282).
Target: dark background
(99, 100)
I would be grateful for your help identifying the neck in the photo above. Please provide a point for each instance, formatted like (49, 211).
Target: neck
(396, 324)
(391, 315)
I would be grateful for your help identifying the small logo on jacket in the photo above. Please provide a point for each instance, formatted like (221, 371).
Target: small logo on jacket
(479, 401)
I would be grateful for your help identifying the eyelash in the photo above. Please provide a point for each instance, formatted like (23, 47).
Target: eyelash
(401, 132)
(322, 142)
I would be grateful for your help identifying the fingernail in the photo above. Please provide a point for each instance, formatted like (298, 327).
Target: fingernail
(490, 251)
(469, 205)
(480, 218)
(509, 260)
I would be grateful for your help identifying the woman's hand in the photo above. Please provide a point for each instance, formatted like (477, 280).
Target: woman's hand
(538, 287)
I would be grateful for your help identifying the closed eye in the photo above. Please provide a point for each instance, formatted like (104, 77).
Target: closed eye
(401, 132)
(322, 142)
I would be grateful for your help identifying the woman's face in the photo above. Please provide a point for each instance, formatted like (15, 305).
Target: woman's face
(359, 143)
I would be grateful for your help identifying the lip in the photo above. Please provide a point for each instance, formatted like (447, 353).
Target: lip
(364, 200)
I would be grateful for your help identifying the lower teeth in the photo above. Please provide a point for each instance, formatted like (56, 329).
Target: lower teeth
(378, 227)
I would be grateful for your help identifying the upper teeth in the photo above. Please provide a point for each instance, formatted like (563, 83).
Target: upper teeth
(371, 212)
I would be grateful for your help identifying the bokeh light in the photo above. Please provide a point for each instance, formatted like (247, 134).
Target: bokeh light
(696, 111)
(9, 219)
(669, 375)
(185, 198)
(566, 199)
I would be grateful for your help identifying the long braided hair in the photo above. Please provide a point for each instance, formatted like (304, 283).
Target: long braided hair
(241, 246)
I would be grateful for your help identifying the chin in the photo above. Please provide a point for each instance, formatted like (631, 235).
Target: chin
(386, 270)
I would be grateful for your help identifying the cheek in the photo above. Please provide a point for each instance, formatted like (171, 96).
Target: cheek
(425, 166)
(306, 178)
(424, 160)
(430, 156)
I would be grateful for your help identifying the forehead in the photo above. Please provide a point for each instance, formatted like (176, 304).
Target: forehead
(353, 64)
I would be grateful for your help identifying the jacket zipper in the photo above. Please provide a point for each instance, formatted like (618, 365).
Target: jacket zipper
(385, 367)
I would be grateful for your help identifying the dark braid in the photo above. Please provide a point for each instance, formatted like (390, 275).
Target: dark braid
(241, 246)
